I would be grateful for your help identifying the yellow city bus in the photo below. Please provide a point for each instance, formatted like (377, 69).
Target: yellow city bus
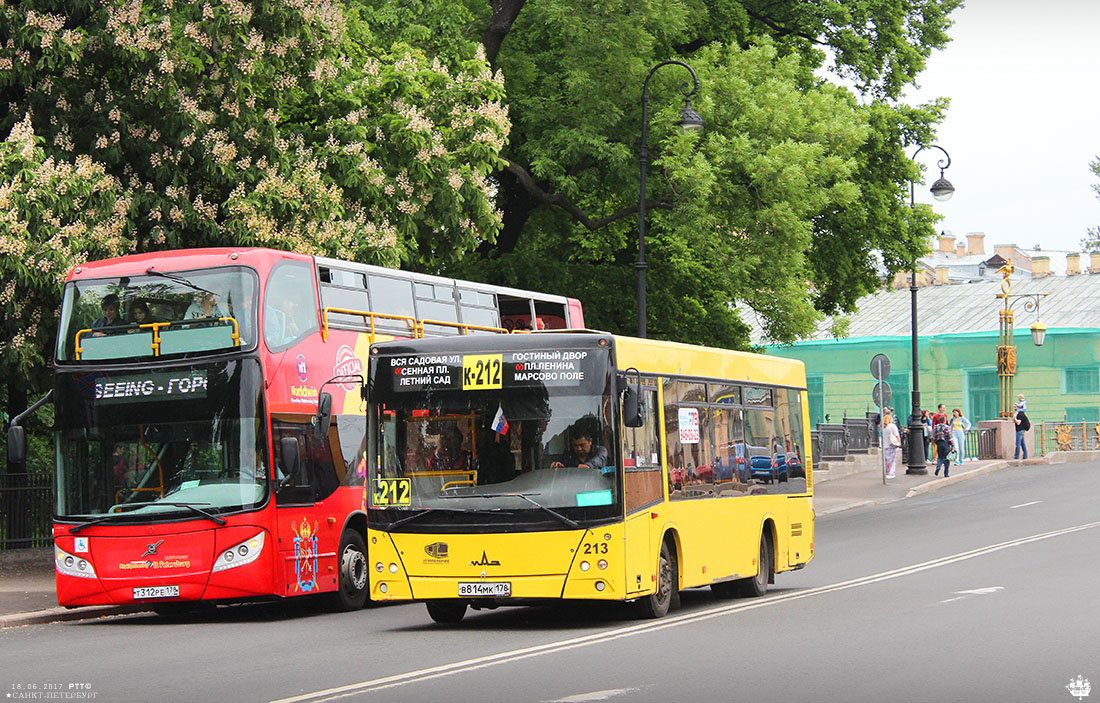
(519, 468)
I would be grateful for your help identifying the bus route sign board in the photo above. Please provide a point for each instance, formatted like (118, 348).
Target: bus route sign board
(150, 385)
(484, 372)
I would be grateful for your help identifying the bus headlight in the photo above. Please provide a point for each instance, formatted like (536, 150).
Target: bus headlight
(246, 552)
(72, 566)
(585, 566)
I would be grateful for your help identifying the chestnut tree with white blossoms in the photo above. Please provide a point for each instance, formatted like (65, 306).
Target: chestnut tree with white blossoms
(306, 125)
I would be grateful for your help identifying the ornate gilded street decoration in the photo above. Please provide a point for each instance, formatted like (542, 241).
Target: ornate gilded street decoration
(1006, 361)
(1064, 437)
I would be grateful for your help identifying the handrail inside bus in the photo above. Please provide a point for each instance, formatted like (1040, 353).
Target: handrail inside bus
(413, 323)
(156, 327)
(461, 326)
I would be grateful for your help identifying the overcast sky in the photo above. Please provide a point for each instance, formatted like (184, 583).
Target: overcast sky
(1024, 121)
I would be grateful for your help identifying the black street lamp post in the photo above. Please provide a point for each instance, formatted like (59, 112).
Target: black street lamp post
(941, 190)
(689, 119)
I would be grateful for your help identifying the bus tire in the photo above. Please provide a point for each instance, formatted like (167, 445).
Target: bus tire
(353, 581)
(658, 604)
(446, 612)
(758, 585)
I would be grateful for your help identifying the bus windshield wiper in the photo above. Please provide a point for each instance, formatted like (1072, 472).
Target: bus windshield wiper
(107, 518)
(194, 508)
(410, 518)
(178, 279)
(526, 497)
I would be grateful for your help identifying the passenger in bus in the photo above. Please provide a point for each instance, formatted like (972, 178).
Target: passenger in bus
(583, 452)
(449, 454)
(205, 305)
(109, 310)
(139, 314)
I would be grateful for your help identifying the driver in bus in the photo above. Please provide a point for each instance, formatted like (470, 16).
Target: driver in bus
(449, 454)
(583, 452)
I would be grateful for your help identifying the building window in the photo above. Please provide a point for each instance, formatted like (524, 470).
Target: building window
(983, 398)
(815, 386)
(1082, 380)
(1083, 414)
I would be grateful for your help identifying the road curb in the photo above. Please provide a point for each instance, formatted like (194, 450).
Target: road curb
(90, 612)
(849, 506)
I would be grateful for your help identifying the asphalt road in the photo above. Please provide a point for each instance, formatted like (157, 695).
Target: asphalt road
(983, 591)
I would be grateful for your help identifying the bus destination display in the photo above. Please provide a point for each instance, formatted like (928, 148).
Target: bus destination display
(477, 372)
(151, 385)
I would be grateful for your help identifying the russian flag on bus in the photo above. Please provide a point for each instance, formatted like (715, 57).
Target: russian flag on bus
(500, 423)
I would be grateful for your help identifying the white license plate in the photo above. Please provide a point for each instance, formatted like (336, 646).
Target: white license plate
(157, 592)
(485, 589)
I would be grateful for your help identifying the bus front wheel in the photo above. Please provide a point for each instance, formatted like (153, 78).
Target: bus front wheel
(658, 604)
(352, 587)
(446, 612)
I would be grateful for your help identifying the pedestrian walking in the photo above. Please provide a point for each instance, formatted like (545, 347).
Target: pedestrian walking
(959, 426)
(891, 443)
(941, 435)
(1022, 426)
(926, 420)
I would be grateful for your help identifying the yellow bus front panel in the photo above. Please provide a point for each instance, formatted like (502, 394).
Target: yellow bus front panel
(534, 565)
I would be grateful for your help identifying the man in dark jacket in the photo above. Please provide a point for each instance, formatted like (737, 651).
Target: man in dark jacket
(1022, 426)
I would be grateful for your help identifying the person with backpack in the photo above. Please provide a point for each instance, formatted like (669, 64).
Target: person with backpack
(1022, 426)
(941, 435)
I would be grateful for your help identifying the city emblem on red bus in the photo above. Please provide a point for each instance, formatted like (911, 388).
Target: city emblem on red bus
(305, 556)
(347, 364)
(303, 372)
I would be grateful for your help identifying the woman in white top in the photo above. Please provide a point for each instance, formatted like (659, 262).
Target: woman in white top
(891, 443)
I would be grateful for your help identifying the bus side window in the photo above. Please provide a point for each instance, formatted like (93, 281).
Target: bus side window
(290, 306)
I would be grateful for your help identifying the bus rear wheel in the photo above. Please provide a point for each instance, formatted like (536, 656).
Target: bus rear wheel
(658, 604)
(758, 585)
(352, 589)
(446, 612)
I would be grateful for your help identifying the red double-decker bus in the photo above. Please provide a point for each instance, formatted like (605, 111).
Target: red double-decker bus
(210, 419)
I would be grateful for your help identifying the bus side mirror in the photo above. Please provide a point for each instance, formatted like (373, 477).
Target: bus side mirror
(288, 459)
(17, 444)
(323, 420)
(633, 410)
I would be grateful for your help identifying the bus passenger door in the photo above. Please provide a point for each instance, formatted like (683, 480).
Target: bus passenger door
(643, 482)
(307, 540)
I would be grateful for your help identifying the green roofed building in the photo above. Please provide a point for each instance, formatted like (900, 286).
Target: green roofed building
(958, 335)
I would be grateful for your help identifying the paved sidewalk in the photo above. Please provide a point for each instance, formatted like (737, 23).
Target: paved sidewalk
(27, 594)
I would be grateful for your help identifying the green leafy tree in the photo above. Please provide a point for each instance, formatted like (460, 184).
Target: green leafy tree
(800, 183)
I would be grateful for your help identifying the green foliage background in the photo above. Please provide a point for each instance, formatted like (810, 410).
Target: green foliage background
(492, 139)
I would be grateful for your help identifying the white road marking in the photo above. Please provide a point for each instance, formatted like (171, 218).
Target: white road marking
(1024, 505)
(962, 595)
(595, 695)
(468, 665)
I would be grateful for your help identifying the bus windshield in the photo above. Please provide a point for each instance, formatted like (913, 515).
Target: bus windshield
(147, 445)
(157, 313)
(538, 447)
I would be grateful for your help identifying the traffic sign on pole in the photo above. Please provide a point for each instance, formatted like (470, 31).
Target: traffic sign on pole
(880, 367)
(881, 394)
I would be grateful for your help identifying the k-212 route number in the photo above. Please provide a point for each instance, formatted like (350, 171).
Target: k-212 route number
(482, 372)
